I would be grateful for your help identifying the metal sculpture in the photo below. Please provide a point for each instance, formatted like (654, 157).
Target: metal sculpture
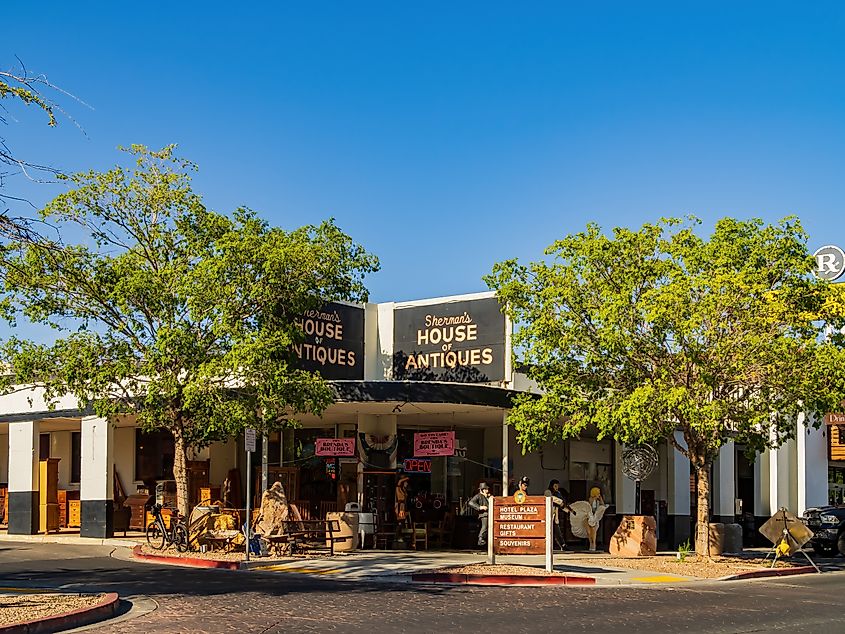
(638, 463)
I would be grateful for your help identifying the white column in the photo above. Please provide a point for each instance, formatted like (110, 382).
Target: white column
(96, 487)
(774, 498)
(505, 453)
(625, 487)
(23, 478)
(725, 482)
(678, 485)
(812, 464)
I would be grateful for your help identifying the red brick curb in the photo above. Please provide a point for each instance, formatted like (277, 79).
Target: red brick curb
(770, 572)
(193, 562)
(105, 609)
(502, 580)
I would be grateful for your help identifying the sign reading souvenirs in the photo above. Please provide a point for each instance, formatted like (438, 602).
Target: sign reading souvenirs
(435, 443)
(461, 341)
(335, 447)
(334, 342)
(519, 528)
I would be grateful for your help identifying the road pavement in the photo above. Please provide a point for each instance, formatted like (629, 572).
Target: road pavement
(196, 600)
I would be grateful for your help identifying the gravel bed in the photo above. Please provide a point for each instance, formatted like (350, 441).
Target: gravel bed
(500, 569)
(15, 608)
(693, 566)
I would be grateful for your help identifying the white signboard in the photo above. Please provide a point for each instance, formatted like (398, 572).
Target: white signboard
(249, 439)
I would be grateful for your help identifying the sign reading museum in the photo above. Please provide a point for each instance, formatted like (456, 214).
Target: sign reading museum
(334, 342)
(461, 341)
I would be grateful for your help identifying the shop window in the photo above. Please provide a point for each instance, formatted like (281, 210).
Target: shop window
(43, 446)
(75, 457)
(583, 476)
(154, 453)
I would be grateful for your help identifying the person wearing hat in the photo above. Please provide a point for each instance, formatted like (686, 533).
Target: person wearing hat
(524, 481)
(479, 503)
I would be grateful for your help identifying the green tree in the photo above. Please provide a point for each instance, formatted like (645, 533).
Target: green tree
(646, 332)
(174, 313)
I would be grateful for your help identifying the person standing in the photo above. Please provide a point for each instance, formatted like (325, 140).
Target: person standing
(480, 503)
(560, 503)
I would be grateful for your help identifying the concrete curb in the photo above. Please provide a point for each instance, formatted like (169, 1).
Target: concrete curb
(191, 562)
(124, 542)
(105, 609)
(502, 580)
(770, 572)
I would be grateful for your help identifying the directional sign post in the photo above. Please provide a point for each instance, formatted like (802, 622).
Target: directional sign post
(520, 526)
(249, 446)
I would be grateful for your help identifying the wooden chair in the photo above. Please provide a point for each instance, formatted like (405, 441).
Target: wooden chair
(419, 534)
(441, 532)
(327, 507)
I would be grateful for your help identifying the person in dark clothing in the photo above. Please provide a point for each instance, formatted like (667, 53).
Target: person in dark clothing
(479, 502)
(560, 502)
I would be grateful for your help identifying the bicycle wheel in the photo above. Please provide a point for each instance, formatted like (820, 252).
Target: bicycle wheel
(180, 537)
(155, 537)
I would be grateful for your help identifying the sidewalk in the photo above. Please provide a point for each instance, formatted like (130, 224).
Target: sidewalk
(71, 536)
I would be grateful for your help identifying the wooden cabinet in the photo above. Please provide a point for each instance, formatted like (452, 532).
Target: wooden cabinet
(74, 513)
(165, 515)
(208, 495)
(136, 505)
(198, 471)
(48, 495)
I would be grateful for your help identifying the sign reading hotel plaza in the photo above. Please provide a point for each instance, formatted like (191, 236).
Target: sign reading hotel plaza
(450, 341)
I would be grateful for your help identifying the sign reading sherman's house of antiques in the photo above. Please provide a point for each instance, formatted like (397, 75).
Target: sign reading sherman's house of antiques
(334, 342)
(460, 341)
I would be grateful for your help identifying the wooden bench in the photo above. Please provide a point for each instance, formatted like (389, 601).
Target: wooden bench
(312, 535)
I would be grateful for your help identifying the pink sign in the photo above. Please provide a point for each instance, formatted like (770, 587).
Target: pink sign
(434, 443)
(335, 447)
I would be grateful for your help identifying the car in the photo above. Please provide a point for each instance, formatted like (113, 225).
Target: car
(828, 526)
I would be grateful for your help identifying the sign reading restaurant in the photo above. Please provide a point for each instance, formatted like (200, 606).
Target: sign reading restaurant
(334, 342)
(460, 341)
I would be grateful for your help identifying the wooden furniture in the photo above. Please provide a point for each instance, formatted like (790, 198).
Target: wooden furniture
(326, 508)
(135, 503)
(74, 514)
(198, 473)
(311, 535)
(288, 476)
(208, 495)
(62, 497)
(166, 513)
(441, 532)
(4, 503)
(48, 495)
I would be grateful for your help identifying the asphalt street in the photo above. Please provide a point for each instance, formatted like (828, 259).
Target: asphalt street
(195, 600)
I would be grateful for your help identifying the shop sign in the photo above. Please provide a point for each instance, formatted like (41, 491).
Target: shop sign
(335, 447)
(416, 465)
(435, 443)
(836, 441)
(519, 528)
(830, 263)
(462, 341)
(333, 343)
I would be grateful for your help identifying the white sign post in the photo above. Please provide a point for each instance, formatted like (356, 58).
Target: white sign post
(249, 446)
(550, 540)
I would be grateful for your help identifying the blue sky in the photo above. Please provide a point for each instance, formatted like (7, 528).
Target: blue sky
(448, 136)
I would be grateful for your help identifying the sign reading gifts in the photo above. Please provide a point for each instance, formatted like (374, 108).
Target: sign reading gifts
(335, 447)
(435, 443)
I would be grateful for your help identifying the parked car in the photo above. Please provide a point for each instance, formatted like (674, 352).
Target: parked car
(828, 526)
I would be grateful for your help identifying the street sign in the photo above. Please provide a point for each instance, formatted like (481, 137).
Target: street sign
(830, 263)
(519, 528)
(249, 439)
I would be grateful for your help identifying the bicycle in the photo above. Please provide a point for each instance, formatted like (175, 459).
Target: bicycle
(159, 536)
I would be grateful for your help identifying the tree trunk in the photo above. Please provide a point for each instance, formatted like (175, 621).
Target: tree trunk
(702, 530)
(180, 471)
